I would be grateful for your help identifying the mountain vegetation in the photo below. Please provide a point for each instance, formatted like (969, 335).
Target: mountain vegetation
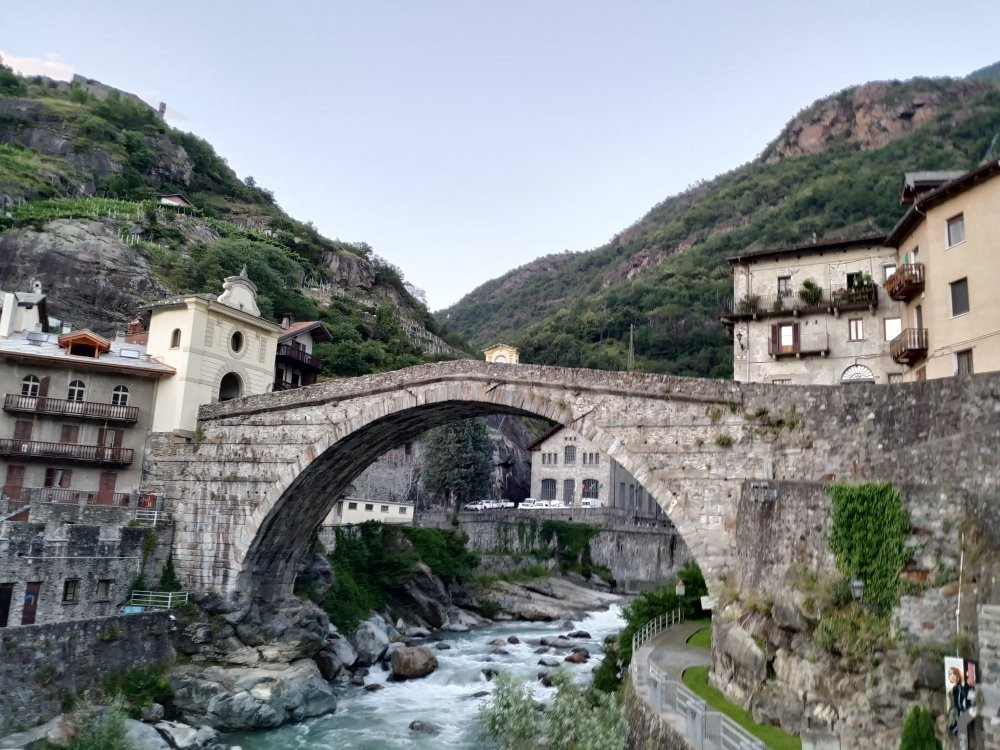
(82, 168)
(833, 173)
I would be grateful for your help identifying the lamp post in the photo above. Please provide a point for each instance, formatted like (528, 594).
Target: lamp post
(679, 589)
(857, 589)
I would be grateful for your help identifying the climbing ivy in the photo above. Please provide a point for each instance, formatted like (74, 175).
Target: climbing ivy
(572, 545)
(868, 538)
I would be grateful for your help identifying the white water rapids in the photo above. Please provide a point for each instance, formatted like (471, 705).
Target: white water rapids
(380, 720)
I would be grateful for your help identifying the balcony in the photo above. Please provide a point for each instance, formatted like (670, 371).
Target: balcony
(88, 454)
(808, 345)
(906, 282)
(66, 496)
(910, 346)
(298, 356)
(860, 297)
(758, 306)
(63, 408)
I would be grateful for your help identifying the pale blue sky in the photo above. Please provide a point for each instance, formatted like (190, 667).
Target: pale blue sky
(461, 139)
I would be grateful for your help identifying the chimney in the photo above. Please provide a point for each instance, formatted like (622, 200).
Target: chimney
(119, 337)
(286, 320)
(36, 286)
(7, 314)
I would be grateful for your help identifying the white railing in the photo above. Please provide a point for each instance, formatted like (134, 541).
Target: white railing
(150, 515)
(704, 728)
(158, 599)
(655, 626)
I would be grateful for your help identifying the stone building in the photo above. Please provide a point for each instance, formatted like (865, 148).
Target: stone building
(502, 354)
(946, 263)
(567, 468)
(814, 313)
(386, 491)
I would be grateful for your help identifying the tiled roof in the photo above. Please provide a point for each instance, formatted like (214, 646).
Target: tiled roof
(320, 333)
(20, 346)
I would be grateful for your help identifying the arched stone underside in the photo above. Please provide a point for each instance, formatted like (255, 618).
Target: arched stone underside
(249, 494)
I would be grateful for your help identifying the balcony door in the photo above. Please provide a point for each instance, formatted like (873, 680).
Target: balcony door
(22, 433)
(6, 592)
(110, 443)
(14, 482)
(918, 317)
(106, 488)
(31, 592)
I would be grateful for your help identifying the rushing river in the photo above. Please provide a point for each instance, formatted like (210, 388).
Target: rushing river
(380, 720)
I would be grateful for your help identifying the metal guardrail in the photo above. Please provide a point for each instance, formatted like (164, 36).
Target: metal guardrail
(705, 729)
(64, 407)
(158, 599)
(151, 515)
(66, 451)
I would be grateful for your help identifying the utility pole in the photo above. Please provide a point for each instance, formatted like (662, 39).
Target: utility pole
(631, 347)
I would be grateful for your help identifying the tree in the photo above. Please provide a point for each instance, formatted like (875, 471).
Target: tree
(918, 731)
(458, 461)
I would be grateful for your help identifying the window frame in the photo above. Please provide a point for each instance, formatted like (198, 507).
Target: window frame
(885, 328)
(886, 273)
(175, 339)
(107, 584)
(590, 489)
(964, 356)
(856, 323)
(547, 490)
(951, 297)
(958, 220)
(119, 395)
(30, 385)
(76, 391)
(784, 286)
(71, 591)
(569, 455)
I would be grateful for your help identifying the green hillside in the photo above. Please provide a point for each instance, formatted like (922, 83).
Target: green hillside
(989, 73)
(99, 156)
(666, 274)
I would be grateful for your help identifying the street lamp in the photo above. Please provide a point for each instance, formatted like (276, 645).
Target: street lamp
(679, 589)
(857, 589)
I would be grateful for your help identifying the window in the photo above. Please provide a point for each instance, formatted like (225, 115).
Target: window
(631, 496)
(784, 286)
(959, 297)
(895, 377)
(569, 455)
(175, 339)
(104, 590)
(888, 270)
(956, 230)
(70, 433)
(569, 491)
(548, 489)
(236, 342)
(352, 506)
(856, 279)
(408, 449)
(58, 477)
(545, 458)
(76, 391)
(70, 588)
(855, 329)
(590, 487)
(963, 362)
(857, 374)
(781, 381)
(370, 506)
(402, 510)
(29, 386)
(595, 459)
(892, 327)
(119, 396)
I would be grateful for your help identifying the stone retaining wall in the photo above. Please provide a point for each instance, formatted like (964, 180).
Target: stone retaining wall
(43, 666)
(646, 730)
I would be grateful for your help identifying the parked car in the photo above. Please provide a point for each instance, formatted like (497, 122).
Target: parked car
(477, 505)
(528, 503)
(505, 503)
(590, 502)
(491, 504)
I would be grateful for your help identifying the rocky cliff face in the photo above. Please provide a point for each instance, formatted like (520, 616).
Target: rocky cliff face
(870, 116)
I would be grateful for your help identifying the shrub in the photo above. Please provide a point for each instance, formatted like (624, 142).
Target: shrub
(918, 731)
(724, 440)
(810, 292)
(100, 730)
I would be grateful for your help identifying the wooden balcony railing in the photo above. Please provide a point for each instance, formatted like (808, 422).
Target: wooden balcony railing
(858, 297)
(910, 346)
(906, 282)
(809, 344)
(15, 402)
(300, 356)
(68, 496)
(93, 454)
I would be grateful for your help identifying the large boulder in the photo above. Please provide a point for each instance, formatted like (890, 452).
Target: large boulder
(370, 642)
(144, 737)
(342, 649)
(231, 699)
(284, 631)
(426, 595)
(315, 573)
(411, 662)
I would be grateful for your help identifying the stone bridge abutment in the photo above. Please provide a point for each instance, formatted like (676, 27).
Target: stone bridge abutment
(248, 494)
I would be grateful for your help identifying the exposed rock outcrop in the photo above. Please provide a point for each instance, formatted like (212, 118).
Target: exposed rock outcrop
(547, 599)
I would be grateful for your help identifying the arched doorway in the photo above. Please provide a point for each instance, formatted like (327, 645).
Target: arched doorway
(230, 387)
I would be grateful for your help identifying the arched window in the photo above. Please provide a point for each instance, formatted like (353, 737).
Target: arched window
(570, 455)
(230, 387)
(76, 391)
(857, 374)
(29, 386)
(590, 487)
(548, 489)
(119, 396)
(175, 339)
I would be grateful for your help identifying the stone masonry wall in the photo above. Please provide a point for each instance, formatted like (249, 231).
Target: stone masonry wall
(41, 666)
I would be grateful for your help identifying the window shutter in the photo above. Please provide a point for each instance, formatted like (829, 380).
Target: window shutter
(795, 337)
(775, 339)
(43, 387)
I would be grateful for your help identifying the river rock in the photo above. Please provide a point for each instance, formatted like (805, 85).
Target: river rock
(152, 713)
(424, 727)
(412, 662)
(497, 642)
(545, 678)
(185, 737)
(442, 646)
(342, 649)
(513, 639)
(144, 737)
(578, 634)
(425, 594)
(231, 699)
(328, 664)
(370, 642)
(548, 599)
(460, 620)
(548, 662)
(582, 650)
(557, 642)
(284, 631)
(489, 673)
(576, 658)
(374, 687)
(418, 632)
(391, 649)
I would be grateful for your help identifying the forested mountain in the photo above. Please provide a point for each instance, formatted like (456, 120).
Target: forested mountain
(82, 167)
(833, 172)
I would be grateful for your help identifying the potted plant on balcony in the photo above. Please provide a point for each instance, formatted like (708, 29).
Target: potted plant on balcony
(810, 292)
(749, 304)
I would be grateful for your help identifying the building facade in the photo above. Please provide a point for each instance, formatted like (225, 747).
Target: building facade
(386, 491)
(568, 469)
(946, 262)
(295, 364)
(502, 354)
(815, 314)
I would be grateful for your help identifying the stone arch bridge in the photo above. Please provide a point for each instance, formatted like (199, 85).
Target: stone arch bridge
(264, 471)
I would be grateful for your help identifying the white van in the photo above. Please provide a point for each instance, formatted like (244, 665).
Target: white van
(591, 502)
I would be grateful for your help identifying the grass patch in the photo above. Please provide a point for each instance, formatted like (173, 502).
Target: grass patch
(701, 639)
(696, 678)
(518, 575)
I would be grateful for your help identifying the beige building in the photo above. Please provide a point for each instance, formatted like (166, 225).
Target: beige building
(295, 365)
(385, 491)
(502, 354)
(947, 262)
(568, 469)
(220, 348)
(815, 313)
